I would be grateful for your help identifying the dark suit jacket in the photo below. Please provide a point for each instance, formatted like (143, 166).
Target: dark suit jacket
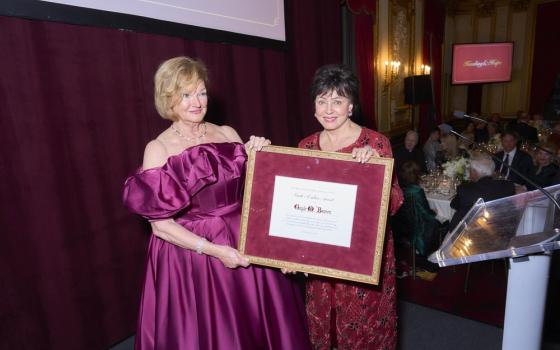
(486, 188)
(526, 132)
(402, 155)
(547, 176)
(521, 162)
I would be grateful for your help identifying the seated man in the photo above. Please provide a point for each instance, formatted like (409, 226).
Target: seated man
(526, 132)
(431, 147)
(482, 186)
(516, 158)
(410, 152)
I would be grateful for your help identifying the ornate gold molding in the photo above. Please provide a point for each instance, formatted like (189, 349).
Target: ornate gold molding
(401, 48)
(485, 8)
(520, 5)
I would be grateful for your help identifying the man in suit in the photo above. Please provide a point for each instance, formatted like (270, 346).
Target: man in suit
(482, 185)
(526, 132)
(410, 152)
(514, 157)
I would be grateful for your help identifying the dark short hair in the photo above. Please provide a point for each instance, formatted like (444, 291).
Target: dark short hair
(339, 78)
(511, 133)
(409, 173)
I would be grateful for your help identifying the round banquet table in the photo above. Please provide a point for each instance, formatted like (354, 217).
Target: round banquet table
(441, 204)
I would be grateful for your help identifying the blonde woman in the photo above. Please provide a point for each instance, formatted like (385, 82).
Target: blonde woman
(199, 291)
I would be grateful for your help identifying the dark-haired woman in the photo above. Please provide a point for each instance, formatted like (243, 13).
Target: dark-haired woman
(342, 314)
(545, 174)
(415, 220)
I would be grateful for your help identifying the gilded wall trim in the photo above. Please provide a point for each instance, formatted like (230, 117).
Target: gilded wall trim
(401, 48)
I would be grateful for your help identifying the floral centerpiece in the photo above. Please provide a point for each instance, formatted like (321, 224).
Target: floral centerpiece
(495, 143)
(456, 169)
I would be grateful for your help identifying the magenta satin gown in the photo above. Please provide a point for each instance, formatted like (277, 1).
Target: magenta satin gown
(192, 301)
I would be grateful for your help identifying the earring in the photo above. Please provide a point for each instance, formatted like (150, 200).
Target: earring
(350, 113)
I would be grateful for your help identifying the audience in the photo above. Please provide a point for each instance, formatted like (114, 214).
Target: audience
(431, 147)
(554, 137)
(497, 119)
(410, 152)
(469, 134)
(449, 150)
(538, 122)
(516, 158)
(482, 185)
(481, 134)
(415, 221)
(545, 174)
(526, 132)
(493, 131)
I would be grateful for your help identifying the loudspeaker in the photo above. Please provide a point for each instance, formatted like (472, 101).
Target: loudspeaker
(417, 89)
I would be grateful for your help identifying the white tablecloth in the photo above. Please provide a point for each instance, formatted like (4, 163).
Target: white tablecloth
(441, 204)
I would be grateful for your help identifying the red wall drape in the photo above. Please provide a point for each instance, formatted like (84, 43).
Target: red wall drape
(363, 29)
(434, 30)
(76, 111)
(364, 20)
(546, 54)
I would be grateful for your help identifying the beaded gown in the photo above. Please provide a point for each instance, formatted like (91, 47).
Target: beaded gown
(190, 300)
(349, 315)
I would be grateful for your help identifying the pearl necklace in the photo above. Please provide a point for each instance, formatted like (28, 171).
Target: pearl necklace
(190, 138)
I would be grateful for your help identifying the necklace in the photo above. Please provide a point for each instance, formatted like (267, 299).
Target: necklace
(190, 138)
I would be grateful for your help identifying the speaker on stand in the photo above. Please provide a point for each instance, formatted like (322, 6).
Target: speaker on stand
(417, 90)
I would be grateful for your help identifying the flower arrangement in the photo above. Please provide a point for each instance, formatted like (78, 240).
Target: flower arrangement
(495, 143)
(456, 169)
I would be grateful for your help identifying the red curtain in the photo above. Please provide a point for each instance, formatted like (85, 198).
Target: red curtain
(364, 20)
(546, 54)
(364, 35)
(76, 110)
(434, 31)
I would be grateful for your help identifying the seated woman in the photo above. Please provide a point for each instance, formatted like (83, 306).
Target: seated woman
(449, 150)
(468, 133)
(546, 169)
(415, 220)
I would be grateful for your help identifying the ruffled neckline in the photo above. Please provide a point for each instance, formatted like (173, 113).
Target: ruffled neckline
(210, 145)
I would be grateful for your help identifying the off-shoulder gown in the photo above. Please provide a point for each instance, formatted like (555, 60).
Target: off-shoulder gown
(192, 301)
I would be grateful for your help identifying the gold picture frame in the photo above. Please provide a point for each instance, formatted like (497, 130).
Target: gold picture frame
(361, 261)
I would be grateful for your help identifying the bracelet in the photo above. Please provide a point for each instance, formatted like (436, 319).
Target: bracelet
(200, 245)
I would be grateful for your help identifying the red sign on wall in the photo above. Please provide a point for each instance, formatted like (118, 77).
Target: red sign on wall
(482, 63)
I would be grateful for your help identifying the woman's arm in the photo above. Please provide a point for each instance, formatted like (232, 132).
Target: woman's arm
(155, 155)
(174, 233)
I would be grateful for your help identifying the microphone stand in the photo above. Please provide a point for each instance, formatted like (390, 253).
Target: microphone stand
(475, 118)
(512, 169)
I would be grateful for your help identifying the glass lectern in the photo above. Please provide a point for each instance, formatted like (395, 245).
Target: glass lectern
(524, 228)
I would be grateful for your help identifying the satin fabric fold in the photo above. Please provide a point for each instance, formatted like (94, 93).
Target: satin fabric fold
(192, 301)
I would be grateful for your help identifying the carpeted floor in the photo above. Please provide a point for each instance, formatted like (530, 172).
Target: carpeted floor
(480, 297)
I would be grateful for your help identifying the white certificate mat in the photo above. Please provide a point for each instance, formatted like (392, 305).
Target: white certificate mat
(313, 211)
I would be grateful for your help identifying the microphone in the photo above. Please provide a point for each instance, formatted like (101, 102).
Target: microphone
(512, 169)
(461, 115)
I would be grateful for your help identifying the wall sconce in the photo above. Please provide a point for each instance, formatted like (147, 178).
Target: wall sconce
(425, 69)
(391, 73)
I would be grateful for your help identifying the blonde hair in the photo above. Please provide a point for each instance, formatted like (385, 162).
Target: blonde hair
(173, 75)
(449, 143)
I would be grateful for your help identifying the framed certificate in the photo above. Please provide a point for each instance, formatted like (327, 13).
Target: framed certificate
(318, 212)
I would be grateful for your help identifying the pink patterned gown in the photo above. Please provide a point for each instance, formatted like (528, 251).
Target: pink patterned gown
(351, 315)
